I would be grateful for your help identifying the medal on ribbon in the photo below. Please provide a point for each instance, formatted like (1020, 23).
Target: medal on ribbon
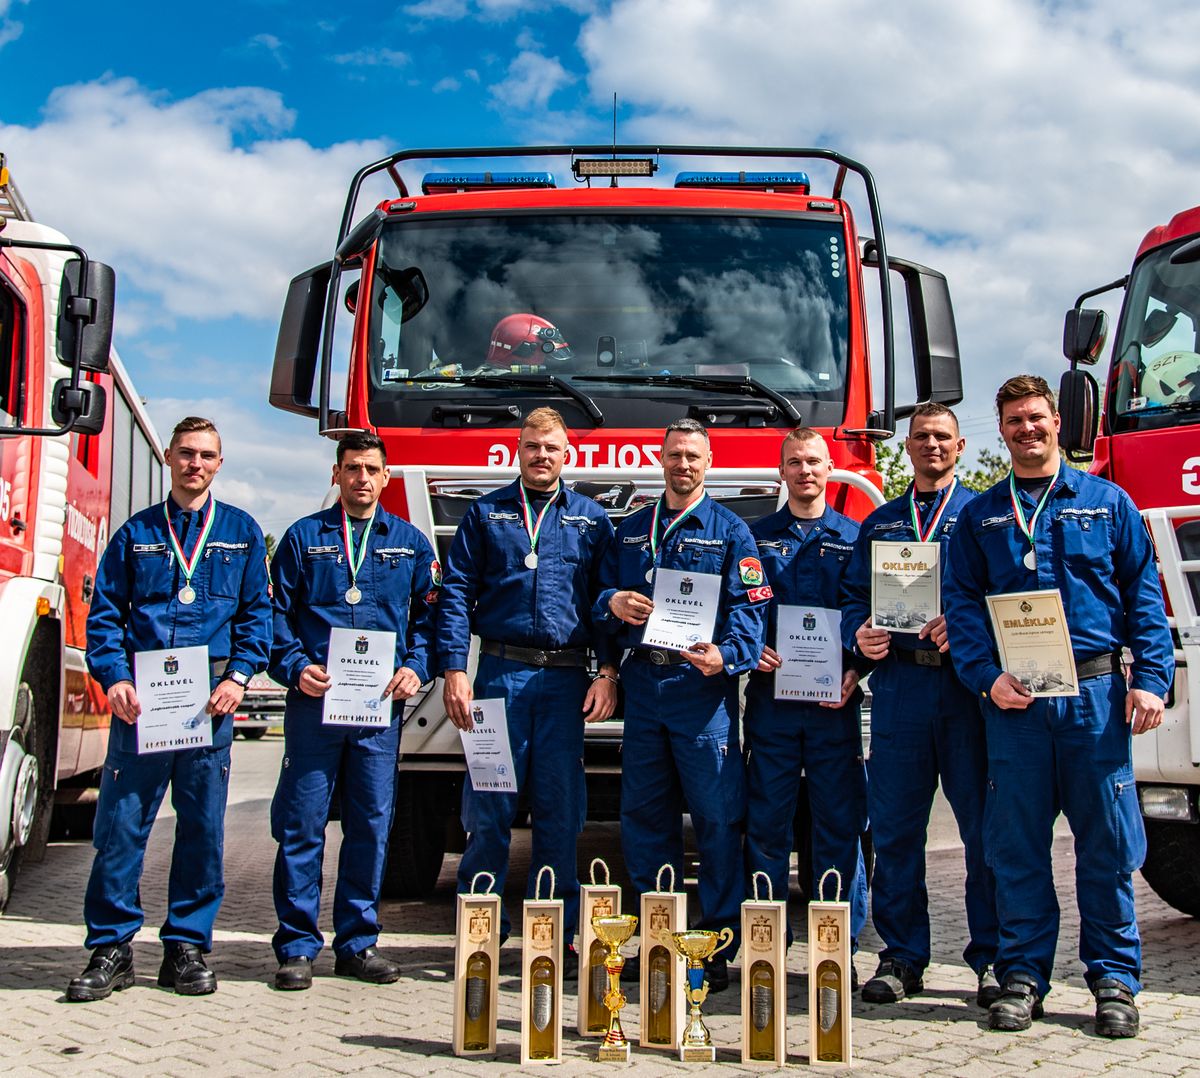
(924, 535)
(1027, 526)
(187, 565)
(655, 542)
(534, 528)
(355, 558)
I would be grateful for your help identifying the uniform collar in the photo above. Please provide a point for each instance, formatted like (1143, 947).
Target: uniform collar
(331, 518)
(512, 492)
(174, 510)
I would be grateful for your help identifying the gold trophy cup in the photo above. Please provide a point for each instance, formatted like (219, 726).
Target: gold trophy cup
(696, 945)
(612, 932)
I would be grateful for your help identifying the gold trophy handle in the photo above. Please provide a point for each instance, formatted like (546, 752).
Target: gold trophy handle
(725, 936)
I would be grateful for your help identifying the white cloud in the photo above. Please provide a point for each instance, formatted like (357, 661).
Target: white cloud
(203, 204)
(497, 10)
(373, 57)
(530, 82)
(438, 9)
(1021, 148)
(446, 85)
(271, 45)
(10, 28)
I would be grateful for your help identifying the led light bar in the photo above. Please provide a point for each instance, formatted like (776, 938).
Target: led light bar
(585, 167)
(441, 182)
(761, 181)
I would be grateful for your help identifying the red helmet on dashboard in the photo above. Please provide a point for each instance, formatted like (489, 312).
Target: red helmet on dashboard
(526, 338)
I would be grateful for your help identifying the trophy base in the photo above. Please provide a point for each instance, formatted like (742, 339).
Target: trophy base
(613, 1053)
(697, 1053)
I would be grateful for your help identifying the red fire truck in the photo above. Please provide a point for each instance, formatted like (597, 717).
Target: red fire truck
(625, 299)
(1149, 444)
(78, 455)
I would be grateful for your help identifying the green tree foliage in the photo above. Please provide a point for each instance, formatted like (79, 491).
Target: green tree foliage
(269, 539)
(893, 464)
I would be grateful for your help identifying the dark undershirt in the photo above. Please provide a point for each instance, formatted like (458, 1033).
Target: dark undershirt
(805, 524)
(1034, 485)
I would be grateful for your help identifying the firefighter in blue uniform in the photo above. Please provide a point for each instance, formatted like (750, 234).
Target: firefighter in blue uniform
(924, 727)
(681, 729)
(1047, 527)
(522, 575)
(186, 572)
(357, 566)
(805, 550)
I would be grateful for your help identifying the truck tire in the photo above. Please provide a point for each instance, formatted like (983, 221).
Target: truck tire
(254, 734)
(35, 740)
(417, 842)
(1172, 866)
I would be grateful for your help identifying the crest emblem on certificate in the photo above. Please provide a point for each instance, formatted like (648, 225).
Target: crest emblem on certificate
(361, 646)
(686, 585)
(751, 572)
(810, 621)
(1026, 606)
(905, 552)
(477, 714)
(170, 665)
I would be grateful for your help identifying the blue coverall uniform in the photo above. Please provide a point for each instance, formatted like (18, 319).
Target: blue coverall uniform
(136, 608)
(681, 728)
(490, 591)
(398, 581)
(1069, 754)
(786, 737)
(924, 726)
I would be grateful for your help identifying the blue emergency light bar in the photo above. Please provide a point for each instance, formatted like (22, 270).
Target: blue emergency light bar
(441, 182)
(758, 181)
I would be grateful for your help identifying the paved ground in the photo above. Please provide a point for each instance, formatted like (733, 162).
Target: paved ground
(342, 1026)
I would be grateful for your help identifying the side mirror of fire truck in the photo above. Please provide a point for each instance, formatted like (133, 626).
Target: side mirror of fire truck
(1079, 410)
(85, 316)
(299, 342)
(81, 407)
(1084, 333)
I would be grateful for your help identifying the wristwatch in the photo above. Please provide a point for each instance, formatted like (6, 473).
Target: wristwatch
(238, 678)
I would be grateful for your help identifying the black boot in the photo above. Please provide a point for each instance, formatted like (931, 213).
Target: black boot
(1017, 1006)
(294, 974)
(1116, 1013)
(893, 981)
(183, 969)
(109, 971)
(367, 965)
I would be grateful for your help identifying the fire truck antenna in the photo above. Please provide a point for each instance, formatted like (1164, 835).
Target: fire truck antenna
(613, 179)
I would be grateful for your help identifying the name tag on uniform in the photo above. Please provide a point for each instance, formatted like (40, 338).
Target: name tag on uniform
(172, 687)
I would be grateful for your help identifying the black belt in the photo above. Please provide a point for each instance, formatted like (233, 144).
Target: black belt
(922, 656)
(1098, 666)
(536, 656)
(659, 656)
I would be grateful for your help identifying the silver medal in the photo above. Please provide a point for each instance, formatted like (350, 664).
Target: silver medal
(650, 576)
(531, 560)
(353, 595)
(187, 595)
(1031, 560)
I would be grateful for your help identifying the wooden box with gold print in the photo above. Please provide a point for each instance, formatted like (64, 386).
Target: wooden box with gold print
(595, 900)
(541, 977)
(476, 970)
(829, 980)
(663, 969)
(764, 977)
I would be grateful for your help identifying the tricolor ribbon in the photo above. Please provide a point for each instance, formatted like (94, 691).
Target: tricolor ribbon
(356, 558)
(655, 543)
(923, 535)
(187, 565)
(1027, 526)
(532, 527)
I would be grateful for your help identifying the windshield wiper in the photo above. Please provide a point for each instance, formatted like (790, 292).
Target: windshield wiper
(523, 381)
(734, 383)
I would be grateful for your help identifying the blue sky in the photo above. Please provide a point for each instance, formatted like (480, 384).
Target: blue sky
(1023, 148)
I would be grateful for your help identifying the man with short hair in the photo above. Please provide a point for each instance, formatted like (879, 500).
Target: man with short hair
(187, 572)
(1048, 527)
(805, 550)
(681, 729)
(522, 574)
(925, 727)
(355, 566)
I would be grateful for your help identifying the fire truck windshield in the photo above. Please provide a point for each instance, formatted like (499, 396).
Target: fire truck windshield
(662, 300)
(1156, 362)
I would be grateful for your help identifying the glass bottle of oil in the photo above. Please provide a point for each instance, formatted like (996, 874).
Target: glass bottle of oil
(659, 988)
(477, 1003)
(597, 1013)
(543, 1009)
(762, 1010)
(829, 1012)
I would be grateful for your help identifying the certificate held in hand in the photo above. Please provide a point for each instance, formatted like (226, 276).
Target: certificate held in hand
(906, 585)
(360, 665)
(685, 609)
(172, 687)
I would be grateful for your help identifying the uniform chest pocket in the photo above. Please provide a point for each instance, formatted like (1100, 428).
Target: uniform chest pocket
(226, 569)
(701, 559)
(394, 571)
(326, 577)
(507, 544)
(152, 573)
(1082, 540)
